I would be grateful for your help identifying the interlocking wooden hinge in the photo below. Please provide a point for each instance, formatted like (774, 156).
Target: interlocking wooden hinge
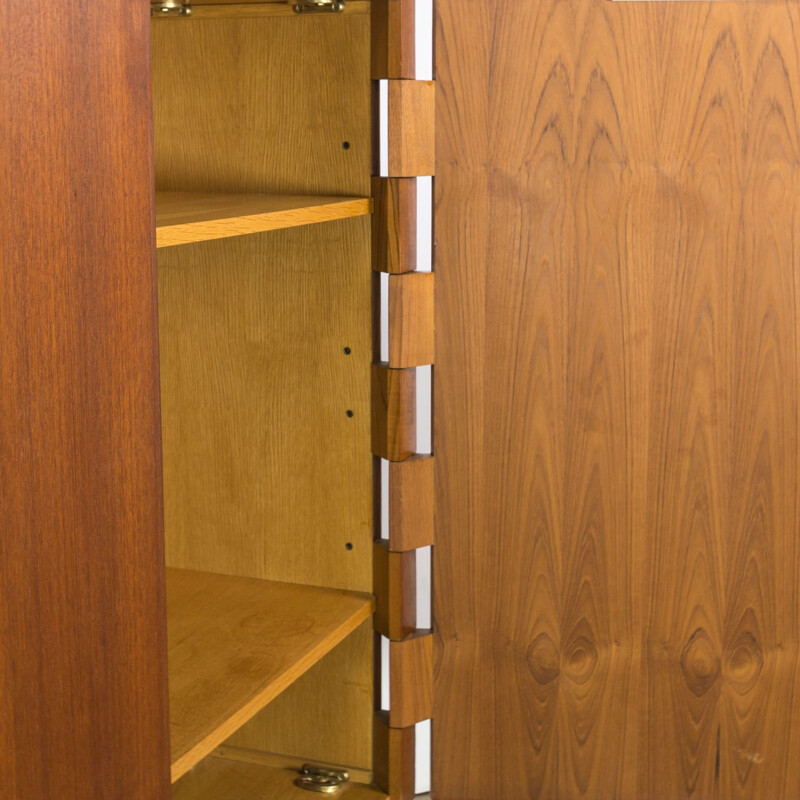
(404, 150)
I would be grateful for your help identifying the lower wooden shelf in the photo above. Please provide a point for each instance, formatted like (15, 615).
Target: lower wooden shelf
(220, 779)
(236, 643)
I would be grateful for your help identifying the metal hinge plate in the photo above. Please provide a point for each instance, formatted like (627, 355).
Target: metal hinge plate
(170, 8)
(316, 6)
(323, 780)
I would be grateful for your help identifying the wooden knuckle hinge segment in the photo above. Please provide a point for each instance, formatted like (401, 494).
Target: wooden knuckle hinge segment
(411, 680)
(394, 412)
(410, 503)
(394, 759)
(395, 586)
(394, 225)
(393, 33)
(411, 702)
(411, 129)
(411, 320)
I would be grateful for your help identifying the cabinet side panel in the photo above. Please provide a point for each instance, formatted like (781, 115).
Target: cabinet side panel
(83, 711)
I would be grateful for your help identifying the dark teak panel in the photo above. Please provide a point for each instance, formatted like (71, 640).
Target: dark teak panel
(82, 616)
(616, 423)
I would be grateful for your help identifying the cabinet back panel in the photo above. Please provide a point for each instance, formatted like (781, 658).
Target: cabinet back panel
(263, 105)
(265, 475)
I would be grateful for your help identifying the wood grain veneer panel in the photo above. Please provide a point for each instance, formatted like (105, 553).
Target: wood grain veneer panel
(616, 425)
(394, 225)
(219, 778)
(236, 643)
(263, 105)
(186, 217)
(83, 674)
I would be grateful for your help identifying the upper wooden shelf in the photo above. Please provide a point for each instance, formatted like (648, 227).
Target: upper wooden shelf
(183, 217)
(236, 643)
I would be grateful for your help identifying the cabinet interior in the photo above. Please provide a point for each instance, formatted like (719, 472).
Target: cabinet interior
(262, 172)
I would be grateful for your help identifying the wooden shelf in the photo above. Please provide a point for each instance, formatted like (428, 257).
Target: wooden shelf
(236, 643)
(218, 778)
(183, 217)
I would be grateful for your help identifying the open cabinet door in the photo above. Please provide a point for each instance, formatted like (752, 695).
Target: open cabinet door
(617, 557)
(82, 611)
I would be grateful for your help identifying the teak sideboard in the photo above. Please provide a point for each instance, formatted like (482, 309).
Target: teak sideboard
(219, 493)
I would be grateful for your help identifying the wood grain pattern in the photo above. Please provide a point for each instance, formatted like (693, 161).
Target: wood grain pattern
(254, 110)
(411, 322)
(394, 578)
(395, 754)
(411, 681)
(83, 674)
(411, 503)
(186, 217)
(236, 643)
(411, 128)
(394, 412)
(393, 31)
(256, 389)
(394, 225)
(616, 423)
(219, 778)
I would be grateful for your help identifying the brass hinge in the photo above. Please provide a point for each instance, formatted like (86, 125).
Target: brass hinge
(170, 8)
(316, 6)
(323, 780)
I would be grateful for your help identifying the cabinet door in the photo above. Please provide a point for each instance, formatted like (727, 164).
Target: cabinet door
(617, 556)
(82, 608)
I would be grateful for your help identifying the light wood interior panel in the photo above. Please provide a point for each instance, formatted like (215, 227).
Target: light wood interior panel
(266, 474)
(263, 105)
(325, 716)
